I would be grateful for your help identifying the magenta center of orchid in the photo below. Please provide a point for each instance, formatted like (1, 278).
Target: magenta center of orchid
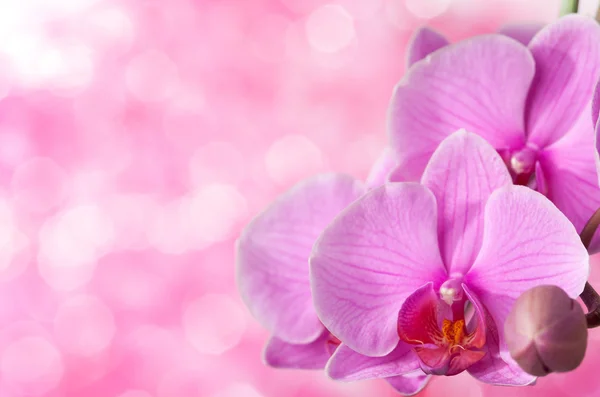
(445, 341)
(522, 164)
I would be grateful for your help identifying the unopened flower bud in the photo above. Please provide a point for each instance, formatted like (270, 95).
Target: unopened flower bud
(546, 331)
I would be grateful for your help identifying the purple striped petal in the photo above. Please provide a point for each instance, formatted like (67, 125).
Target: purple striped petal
(567, 58)
(347, 365)
(596, 104)
(273, 252)
(571, 171)
(462, 174)
(369, 259)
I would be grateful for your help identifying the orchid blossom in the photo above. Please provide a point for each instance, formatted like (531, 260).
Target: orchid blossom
(273, 271)
(394, 275)
(531, 103)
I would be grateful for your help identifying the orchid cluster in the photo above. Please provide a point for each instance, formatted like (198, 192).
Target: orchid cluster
(467, 244)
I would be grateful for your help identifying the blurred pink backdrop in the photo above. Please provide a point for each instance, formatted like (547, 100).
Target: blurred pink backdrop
(138, 137)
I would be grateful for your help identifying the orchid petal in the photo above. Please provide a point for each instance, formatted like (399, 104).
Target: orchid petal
(462, 174)
(347, 365)
(596, 105)
(527, 242)
(521, 32)
(369, 259)
(571, 169)
(567, 57)
(411, 384)
(273, 252)
(434, 360)
(424, 42)
(479, 84)
(492, 368)
(478, 324)
(385, 163)
(464, 360)
(313, 355)
(598, 134)
(419, 315)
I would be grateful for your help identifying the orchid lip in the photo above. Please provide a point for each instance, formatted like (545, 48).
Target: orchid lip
(435, 323)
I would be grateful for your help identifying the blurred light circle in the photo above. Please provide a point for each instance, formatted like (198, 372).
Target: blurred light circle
(361, 9)
(84, 325)
(128, 282)
(39, 185)
(135, 393)
(73, 69)
(179, 382)
(32, 365)
(62, 7)
(5, 78)
(7, 224)
(153, 351)
(269, 37)
(291, 158)
(112, 25)
(70, 243)
(90, 224)
(14, 146)
(301, 7)
(217, 162)
(213, 323)
(15, 256)
(151, 76)
(63, 279)
(239, 390)
(214, 211)
(330, 28)
(169, 230)
(297, 47)
(87, 184)
(427, 9)
(131, 214)
(186, 124)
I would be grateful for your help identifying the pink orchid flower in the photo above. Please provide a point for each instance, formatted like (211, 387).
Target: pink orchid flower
(596, 114)
(273, 271)
(531, 103)
(392, 274)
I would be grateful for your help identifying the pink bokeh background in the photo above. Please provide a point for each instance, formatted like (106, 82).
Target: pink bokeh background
(138, 137)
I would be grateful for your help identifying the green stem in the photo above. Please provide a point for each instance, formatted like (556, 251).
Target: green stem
(589, 296)
(569, 7)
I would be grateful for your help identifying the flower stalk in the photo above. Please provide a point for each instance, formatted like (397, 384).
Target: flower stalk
(589, 296)
(569, 7)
